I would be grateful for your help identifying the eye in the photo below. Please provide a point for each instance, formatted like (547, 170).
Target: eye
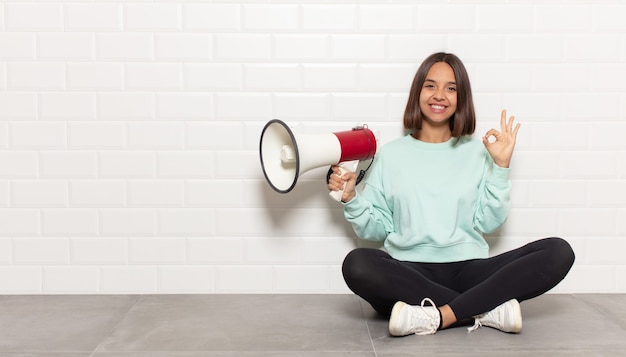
(429, 86)
(452, 89)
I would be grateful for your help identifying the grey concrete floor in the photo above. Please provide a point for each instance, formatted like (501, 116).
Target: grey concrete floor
(289, 325)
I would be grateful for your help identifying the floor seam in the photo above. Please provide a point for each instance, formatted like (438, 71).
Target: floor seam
(106, 337)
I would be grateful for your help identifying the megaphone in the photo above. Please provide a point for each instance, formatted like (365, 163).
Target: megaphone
(286, 155)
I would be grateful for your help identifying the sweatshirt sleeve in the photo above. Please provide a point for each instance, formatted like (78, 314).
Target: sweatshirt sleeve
(368, 212)
(494, 202)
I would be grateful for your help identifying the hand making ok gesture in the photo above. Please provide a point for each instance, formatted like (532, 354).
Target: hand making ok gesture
(501, 149)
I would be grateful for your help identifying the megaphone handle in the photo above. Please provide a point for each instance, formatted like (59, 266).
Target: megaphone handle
(344, 167)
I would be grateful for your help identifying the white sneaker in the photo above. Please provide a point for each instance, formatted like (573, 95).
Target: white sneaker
(420, 320)
(506, 317)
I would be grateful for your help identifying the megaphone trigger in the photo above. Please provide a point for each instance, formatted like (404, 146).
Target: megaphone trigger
(344, 167)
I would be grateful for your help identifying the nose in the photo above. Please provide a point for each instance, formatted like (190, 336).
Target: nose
(439, 95)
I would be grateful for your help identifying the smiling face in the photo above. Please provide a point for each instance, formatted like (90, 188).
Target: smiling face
(438, 96)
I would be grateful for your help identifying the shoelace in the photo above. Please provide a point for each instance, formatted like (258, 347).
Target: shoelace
(433, 316)
(477, 323)
(476, 326)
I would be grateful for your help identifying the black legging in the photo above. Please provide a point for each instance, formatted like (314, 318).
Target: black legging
(469, 287)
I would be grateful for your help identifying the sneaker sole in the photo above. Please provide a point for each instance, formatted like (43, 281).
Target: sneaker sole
(393, 320)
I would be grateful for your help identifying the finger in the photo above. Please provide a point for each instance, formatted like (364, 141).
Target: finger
(509, 125)
(503, 119)
(492, 132)
(516, 129)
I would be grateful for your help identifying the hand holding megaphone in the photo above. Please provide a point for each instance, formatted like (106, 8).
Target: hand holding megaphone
(343, 179)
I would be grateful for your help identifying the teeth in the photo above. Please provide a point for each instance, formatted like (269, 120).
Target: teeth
(438, 107)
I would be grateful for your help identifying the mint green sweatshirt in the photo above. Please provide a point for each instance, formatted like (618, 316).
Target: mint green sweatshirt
(431, 202)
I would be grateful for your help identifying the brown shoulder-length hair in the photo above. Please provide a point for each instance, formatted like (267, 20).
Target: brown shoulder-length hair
(463, 121)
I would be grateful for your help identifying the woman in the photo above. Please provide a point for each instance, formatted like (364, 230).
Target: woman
(430, 196)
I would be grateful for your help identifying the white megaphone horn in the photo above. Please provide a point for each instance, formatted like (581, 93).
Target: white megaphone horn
(285, 155)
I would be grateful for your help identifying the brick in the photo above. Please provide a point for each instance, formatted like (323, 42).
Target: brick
(98, 251)
(571, 18)
(459, 18)
(19, 164)
(302, 106)
(152, 17)
(100, 193)
(185, 106)
(505, 18)
(89, 17)
(126, 164)
(213, 193)
(331, 77)
(329, 17)
(191, 222)
(124, 46)
(128, 222)
(270, 17)
(36, 76)
(243, 106)
(272, 250)
(158, 135)
(142, 193)
(68, 164)
(21, 280)
(66, 46)
(214, 135)
(34, 16)
(95, 76)
(38, 135)
(212, 17)
(89, 135)
(358, 47)
(186, 279)
(359, 107)
(39, 193)
(236, 165)
(558, 193)
(165, 251)
(71, 280)
(532, 48)
(272, 77)
(17, 46)
(404, 47)
(4, 195)
(244, 279)
(386, 17)
(69, 222)
(67, 106)
(213, 76)
(383, 77)
(128, 279)
(183, 47)
(215, 250)
(150, 76)
(299, 47)
(126, 106)
(290, 279)
(243, 47)
(20, 222)
(45, 251)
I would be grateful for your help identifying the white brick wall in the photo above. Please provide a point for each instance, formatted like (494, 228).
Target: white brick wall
(129, 134)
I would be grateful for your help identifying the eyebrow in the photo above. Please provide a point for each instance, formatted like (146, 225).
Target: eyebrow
(432, 80)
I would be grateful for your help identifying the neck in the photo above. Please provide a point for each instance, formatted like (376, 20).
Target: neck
(432, 136)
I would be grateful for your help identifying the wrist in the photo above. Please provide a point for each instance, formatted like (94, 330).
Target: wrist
(347, 198)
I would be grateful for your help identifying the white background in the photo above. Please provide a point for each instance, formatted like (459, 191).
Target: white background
(129, 134)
